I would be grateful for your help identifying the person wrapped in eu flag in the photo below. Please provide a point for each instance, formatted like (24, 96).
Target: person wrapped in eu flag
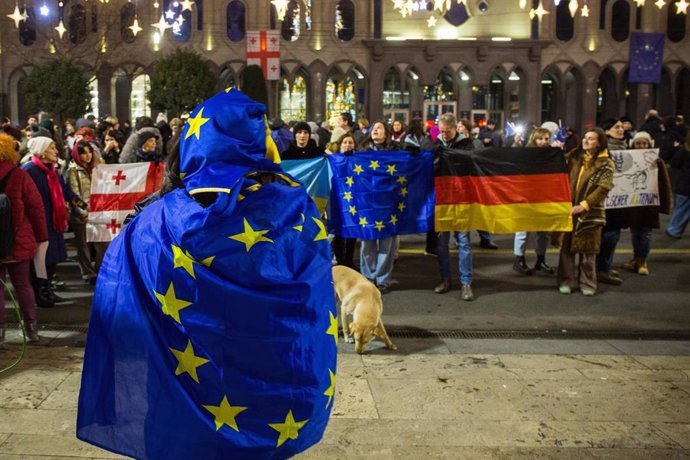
(213, 333)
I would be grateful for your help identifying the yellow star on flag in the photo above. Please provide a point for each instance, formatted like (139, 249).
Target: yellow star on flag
(401, 206)
(250, 237)
(401, 180)
(170, 304)
(391, 169)
(331, 389)
(289, 429)
(374, 164)
(196, 123)
(358, 169)
(379, 225)
(183, 259)
(187, 361)
(347, 196)
(300, 227)
(208, 261)
(403, 191)
(349, 181)
(333, 327)
(394, 219)
(352, 210)
(225, 414)
(322, 235)
(363, 221)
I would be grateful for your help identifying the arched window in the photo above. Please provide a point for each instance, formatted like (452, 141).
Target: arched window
(235, 21)
(341, 94)
(457, 14)
(182, 25)
(602, 14)
(675, 25)
(93, 91)
(620, 20)
(290, 27)
(77, 24)
(565, 24)
(127, 15)
(139, 101)
(345, 20)
(293, 98)
(27, 29)
(495, 99)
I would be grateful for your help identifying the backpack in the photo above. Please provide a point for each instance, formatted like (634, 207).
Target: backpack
(6, 228)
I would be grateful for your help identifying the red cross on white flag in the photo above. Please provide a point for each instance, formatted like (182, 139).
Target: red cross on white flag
(115, 188)
(263, 49)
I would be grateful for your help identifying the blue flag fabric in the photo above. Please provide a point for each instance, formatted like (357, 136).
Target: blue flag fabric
(378, 194)
(315, 175)
(213, 332)
(646, 57)
(562, 134)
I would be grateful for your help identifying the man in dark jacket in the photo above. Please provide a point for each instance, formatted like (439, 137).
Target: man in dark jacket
(303, 147)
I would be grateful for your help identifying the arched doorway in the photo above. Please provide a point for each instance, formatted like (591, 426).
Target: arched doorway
(550, 90)
(396, 100)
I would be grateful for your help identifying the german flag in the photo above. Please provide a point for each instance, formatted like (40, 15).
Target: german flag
(502, 190)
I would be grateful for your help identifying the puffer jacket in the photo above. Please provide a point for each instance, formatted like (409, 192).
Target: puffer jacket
(28, 216)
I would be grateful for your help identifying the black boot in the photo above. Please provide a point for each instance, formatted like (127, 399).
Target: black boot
(32, 330)
(542, 266)
(521, 266)
(44, 294)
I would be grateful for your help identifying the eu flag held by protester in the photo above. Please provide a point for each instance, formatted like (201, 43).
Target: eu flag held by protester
(315, 175)
(502, 190)
(213, 332)
(378, 194)
(646, 57)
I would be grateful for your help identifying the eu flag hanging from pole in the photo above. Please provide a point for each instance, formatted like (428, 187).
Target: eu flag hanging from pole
(378, 194)
(646, 57)
(213, 332)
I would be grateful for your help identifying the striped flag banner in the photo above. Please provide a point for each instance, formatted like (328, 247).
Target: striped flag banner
(315, 175)
(502, 190)
(115, 189)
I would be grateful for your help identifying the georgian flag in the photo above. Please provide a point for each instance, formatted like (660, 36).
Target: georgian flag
(115, 189)
(263, 49)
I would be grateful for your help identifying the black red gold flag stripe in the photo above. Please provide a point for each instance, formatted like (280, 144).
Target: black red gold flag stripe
(502, 190)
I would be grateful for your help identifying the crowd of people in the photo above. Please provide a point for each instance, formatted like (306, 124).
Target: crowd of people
(45, 170)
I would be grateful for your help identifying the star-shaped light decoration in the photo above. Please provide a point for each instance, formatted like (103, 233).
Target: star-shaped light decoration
(585, 11)
(332, 327)
(135, 27)
(639, 3)
(331, 389)
(162, 25)
(187, 361)
(170, 14)
(198, 121)
(186, 5)
(572, 7)
(170, 304)
(660, 4)
(225, 414)
(250, 236)
(682, 7)
(522, 4)
(431, 22)
(61, 29)
(539, 12)
(16, 16)
(289, 429)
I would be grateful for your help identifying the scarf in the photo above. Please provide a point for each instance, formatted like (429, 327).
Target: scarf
(56, 198)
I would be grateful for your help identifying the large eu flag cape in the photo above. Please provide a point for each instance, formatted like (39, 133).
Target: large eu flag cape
(213, 331)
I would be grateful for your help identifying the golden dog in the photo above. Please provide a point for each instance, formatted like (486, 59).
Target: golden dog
(360, 299)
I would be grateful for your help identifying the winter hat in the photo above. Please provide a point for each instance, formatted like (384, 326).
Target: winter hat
(144, 136)
(551, 126)
(38, 131)
(642, 135)
(84, 122)
(38, 145)
(275, 123)
(301, 126)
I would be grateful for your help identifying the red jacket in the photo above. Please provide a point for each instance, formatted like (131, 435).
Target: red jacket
(28, 216)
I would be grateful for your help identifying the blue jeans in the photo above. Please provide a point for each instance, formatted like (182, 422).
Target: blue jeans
(520, 243)
(641, 242)
(609, 241)
(680, 217)
(376, 260)
(464, 256)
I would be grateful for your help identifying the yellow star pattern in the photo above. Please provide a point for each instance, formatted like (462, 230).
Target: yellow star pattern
(379, 225)
(322, 235)
(289, 429)
(358, 169)
(183, 259)
(391, 169)
(208, 261)
(347, 196)
(333, 327)
(187, 361)
(401, 180)
(225, 414)
(352, 210)
(170, 304)
(394, 219)
(250, 236)
(374, 164)
(195, 124)
(299, 227)
(331, 389)
(401, 206)
(363, 221)
(349, 181)
(403, 191)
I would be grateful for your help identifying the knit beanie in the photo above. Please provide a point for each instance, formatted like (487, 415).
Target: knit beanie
(38, 145)
(144, 136)
(301, 126)
(642, 135)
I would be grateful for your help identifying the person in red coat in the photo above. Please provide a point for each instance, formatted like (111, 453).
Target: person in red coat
(29, 222)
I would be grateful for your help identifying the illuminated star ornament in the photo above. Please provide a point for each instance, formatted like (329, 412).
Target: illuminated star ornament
(660, 4)
(539, 12)
(162, 25)
(16, 16)
(135, 27)
(431, 22)
(61, 29)
(585, 11)
(187, 361)
(289, 429)
(639, 3)
(682, 7)
(186, 5)
(225, 414)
